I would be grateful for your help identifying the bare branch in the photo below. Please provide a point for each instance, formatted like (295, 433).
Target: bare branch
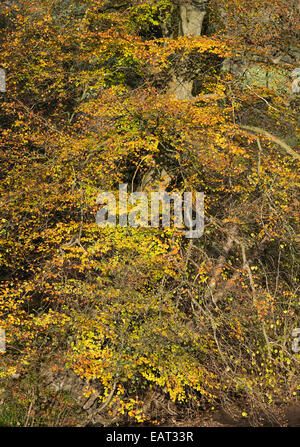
(282, 144)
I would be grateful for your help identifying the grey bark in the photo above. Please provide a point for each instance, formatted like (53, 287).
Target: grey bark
(192, 15)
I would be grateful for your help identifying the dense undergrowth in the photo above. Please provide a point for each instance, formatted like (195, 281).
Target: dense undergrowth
(142, 321)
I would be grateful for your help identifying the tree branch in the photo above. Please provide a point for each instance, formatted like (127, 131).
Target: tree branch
(282, 144)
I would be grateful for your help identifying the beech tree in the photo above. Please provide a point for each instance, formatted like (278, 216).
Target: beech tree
(120, 325)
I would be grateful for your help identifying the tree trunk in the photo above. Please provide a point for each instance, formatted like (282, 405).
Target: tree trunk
(192, 15)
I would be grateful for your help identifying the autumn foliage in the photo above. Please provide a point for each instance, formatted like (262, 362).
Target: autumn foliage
(149, 323)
